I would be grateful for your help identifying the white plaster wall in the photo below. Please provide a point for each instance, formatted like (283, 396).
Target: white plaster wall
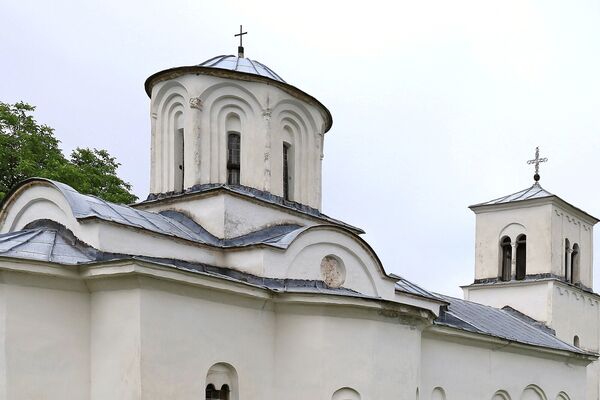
(530, 298)
(491, 226)
(186, 330)
(302, 260)
(467, 370)
(31, 203)
(46, 338)
(264, 111)
(566, 225)
(575, 312)
(226, 215)
(320, 350)
(115, 340)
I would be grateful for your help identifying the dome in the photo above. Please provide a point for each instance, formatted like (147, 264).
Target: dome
(241, 64)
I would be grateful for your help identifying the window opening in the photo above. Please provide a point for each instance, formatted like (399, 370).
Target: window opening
(567, 272)
(214, 394)
(506, 259)
(521, 257)
(233, 158)
(286, 171)
(575, 264)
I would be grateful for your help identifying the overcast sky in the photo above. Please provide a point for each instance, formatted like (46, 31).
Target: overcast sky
(436, 104)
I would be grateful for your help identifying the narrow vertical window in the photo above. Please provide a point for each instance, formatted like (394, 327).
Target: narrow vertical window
(567, 271)
(214, 394)
(211, 392)
(521, 257)
(178, 153)
(506, 249)
(286, 171)
(575, 273)
(233, 158)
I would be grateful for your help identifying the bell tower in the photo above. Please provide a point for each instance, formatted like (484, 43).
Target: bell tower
(534, 252)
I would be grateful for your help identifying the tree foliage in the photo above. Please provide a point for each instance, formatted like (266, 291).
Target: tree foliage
(28, 149)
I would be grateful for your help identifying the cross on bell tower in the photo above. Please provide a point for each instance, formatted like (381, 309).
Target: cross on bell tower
(537, 160)
(241, 46)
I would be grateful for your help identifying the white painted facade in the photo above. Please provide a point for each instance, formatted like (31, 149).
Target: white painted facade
(150, 325)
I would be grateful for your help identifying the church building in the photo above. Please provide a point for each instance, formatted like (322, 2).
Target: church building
(229, 282)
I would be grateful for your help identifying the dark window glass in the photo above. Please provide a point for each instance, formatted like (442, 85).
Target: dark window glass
(567, 272)
(214, 394)
(575, 264)
(521, 257)
(233, 158)
(286, 172)
(506, 259)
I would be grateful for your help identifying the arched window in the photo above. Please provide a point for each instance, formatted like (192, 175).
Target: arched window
(214, 394)
(438, 394)
(505, 262)
(567, 249)
(224, 377)
(521, 257)
(576, 341)
(345, 394)
(233, 158)
(575, 278)
(533, 392)
(288, 171)
(501, 395)
(178, 147)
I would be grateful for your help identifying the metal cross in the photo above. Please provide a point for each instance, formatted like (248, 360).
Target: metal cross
(537, 160)
(241, 35)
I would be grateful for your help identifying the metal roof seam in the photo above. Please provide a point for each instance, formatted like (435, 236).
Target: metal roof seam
(19, 244)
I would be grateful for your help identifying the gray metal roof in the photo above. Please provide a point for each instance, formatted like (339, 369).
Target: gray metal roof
(501, 323)
(536, 191)
(406, 286)
(48, 241)
(262, 195)
(51, 243)
(241, 64)
(170, 223)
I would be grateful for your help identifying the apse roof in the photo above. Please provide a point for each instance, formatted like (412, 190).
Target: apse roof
(48, 241)
(173, 223)
(501, 323)
(241, 64)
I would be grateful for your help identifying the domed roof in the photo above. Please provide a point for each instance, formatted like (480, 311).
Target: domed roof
(241, 64)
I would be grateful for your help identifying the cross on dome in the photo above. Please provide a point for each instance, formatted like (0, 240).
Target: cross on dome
(537, 160)
(241, 46)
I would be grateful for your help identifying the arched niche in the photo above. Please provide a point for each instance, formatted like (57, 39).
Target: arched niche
(34, 200)
(345, 394)
(311, 262)
(562, 396)
(533, 392)
(501, 395)
(438, 394)
(222, 382)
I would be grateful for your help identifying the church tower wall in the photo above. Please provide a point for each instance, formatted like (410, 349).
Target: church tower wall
(193, 116)
(492, 226)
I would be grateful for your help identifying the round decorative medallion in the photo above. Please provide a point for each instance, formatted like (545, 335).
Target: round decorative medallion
(333, 271)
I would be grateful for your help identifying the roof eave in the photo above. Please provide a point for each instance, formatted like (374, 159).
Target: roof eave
(483, 207)
(172, 73)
